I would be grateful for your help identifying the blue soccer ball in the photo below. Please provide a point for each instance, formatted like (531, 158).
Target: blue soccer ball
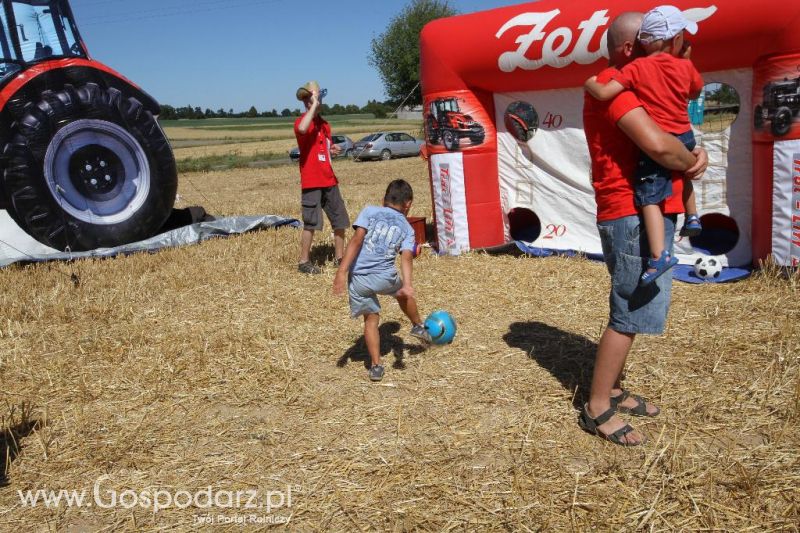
(441, 326)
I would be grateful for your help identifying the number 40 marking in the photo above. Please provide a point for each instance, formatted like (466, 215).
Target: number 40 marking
(552, 121)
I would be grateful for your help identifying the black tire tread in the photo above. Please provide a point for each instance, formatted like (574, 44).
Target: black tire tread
(32, 204)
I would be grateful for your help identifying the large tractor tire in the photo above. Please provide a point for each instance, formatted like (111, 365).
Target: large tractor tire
(450, 140)
(88, 168)
(782, 121)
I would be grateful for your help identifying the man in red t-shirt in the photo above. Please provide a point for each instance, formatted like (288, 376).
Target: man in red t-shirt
(615, 132)
(320, 188)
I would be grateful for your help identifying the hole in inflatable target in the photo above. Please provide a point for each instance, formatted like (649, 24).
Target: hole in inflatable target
(719, 236)
(524, 225)
(716, 109)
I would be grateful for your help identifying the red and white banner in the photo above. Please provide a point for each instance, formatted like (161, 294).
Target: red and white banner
(450, 204)
(786, 203)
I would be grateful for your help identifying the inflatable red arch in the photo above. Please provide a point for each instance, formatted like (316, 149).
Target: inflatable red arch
(490, 189)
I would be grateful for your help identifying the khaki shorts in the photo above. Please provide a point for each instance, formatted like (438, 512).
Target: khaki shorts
(328, 199)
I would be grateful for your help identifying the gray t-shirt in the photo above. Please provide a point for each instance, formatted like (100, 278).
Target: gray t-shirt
(388, 232)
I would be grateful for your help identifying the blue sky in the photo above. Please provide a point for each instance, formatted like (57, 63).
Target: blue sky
(238, 53)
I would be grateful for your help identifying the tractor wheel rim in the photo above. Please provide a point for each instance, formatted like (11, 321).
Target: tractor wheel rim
(97, 171)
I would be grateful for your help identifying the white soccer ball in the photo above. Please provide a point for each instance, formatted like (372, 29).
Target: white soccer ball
(707, 267)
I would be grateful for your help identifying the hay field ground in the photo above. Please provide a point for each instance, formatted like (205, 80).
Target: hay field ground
(220, 366)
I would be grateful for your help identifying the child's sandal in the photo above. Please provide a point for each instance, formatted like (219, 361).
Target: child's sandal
(692, 227)
(659, 266)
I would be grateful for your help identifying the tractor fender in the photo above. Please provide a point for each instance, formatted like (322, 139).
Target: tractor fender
(53, 75)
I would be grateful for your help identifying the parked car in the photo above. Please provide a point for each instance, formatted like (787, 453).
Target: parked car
(385, 145)
(344, 142)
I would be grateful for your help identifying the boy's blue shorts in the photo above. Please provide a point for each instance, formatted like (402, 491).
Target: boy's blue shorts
(653, 183)
(365, 288)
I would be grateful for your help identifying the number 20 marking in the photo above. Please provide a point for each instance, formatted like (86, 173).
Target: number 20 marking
(555, 230)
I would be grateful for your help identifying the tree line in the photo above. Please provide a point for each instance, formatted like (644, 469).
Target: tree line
(725, 94)
(168, 112)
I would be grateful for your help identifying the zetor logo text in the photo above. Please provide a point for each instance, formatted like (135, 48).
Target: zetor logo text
(557, 40)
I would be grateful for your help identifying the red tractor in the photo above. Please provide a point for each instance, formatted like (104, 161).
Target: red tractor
(446, 123)
(85, 163)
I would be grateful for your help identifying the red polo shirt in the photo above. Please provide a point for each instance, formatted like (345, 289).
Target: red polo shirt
(663, 83)
(315, 154)
(614, 155)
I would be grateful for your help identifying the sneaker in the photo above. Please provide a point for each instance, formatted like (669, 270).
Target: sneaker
(419, 331)
(376, 372)
(691, 227)
(308, 268)
(658, 267)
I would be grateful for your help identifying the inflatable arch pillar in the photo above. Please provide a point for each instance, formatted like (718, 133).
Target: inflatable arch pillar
(490, 189)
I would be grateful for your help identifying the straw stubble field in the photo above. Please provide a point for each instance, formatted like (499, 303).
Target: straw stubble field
(218, 365)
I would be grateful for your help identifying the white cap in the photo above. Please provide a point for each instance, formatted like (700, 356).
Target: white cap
(663, 23)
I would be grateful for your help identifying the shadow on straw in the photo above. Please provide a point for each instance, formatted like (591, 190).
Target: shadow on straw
(567, 356)
(10, 438)
(389, 343)
(321, 253)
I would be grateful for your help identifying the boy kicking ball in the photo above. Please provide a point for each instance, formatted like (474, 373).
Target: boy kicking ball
(368, 268)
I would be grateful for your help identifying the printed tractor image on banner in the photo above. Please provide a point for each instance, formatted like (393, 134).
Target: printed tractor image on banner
(455, 122)
(777, 107)
(520, 77)
(85, 163)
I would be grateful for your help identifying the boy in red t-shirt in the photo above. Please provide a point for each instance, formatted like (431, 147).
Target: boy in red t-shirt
(663, 80)
(318, 184)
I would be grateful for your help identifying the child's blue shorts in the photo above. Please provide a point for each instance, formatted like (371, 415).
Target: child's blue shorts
(653, 183)
(365, 288)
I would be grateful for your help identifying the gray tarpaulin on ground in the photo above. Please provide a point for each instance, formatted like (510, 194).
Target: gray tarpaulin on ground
(22, 248)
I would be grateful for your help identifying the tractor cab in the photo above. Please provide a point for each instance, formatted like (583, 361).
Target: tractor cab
(32, 31)
(440, 107)
(786, 92)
